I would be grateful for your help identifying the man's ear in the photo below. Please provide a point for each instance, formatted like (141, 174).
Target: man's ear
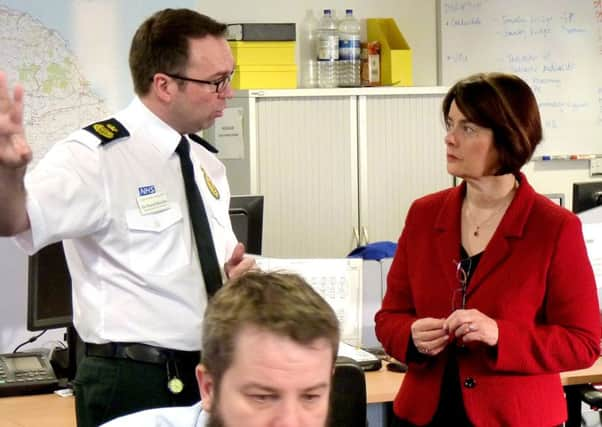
(206, 387)
(161, 87)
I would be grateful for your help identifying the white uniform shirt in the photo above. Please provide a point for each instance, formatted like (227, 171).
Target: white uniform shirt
(187, 416)
(136, 277)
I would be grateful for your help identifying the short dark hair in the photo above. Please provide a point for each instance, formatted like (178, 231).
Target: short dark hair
(505, 104)
(280, 303)
(161, 43)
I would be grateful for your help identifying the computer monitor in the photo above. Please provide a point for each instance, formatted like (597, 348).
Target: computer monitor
(246, 215)
(557, 198)
(586, 195)
(49, 289)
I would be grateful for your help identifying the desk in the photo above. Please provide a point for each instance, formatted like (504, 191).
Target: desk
(583, 376)
(50, 410)
(382, 386)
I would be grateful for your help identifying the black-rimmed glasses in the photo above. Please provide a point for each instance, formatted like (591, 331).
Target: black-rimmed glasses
(462, 274)
(220, 84)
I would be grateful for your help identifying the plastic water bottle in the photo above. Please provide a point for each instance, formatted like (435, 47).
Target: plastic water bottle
(308, 51)
(349, 51)
(327, 40)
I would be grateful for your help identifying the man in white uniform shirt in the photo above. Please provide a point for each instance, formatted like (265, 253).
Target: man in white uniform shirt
(114, 193)
(269, 347)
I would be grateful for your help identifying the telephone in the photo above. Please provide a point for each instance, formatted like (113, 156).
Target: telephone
(26, 373)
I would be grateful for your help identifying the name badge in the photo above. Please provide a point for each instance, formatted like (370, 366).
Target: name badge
(152, 203)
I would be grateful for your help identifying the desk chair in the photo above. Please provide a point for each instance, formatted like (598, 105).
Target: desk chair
(348, 398)
(587, 393)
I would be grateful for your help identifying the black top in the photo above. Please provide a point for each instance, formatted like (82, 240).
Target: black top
(451, 406)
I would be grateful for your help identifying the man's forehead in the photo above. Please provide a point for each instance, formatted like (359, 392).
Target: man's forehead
(252, 332)
(253, 343)
(210, 54)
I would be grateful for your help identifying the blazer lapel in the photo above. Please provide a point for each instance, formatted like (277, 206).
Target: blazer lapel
(447, 230)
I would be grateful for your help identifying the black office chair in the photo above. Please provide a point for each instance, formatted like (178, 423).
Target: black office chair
(590, 394)
(348, 398)
(575, 394)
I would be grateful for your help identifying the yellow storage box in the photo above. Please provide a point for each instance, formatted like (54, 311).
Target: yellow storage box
(263, 53)
(265, 77)
(395, 53)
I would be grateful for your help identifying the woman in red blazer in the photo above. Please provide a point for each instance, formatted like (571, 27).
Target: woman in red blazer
(491, 293)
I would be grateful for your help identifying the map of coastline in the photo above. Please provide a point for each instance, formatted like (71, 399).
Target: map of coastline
(58, 98)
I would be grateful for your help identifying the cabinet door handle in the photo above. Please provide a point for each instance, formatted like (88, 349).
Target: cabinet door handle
(365, 235)
(356, 238)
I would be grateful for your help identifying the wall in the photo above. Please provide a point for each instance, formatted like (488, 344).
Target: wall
(416, 19)
(558, 176)
(556, 48)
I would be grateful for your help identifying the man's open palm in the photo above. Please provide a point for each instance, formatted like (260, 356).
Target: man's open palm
(14, 151)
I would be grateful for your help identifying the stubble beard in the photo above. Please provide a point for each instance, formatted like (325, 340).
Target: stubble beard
(215, 416)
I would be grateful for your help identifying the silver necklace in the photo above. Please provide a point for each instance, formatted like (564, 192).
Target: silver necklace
(503, 206)
(478, 227)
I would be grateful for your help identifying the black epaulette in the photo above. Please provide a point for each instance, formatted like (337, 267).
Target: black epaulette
(108, 130)
(204, 143)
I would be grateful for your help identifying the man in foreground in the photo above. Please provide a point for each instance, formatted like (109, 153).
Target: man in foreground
(269, 347)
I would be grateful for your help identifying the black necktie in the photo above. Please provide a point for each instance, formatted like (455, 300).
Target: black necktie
(200, 223)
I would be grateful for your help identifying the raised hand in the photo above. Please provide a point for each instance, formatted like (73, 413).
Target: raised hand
(14, 150)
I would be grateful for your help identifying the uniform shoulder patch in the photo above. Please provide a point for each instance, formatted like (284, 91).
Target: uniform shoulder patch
(108, 130)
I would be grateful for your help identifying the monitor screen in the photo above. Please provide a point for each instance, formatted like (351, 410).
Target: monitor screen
(246, 215)
(49, 283)
(586, 195)
(49, 289)
(557, 198)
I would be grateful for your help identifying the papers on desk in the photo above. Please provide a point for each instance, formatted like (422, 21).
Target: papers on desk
(592, 234)
(337, 280)
(355, 353)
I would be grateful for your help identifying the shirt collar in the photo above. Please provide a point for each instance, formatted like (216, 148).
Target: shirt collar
(195, 138)
(139, 119)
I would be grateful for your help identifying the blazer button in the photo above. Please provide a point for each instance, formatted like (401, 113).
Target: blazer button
(470, 382)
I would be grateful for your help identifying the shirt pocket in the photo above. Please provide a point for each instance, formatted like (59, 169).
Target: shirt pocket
(157, 241)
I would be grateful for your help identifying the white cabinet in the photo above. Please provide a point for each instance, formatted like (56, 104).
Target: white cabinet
(338, 167)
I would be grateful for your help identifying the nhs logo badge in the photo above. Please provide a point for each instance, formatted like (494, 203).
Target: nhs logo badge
(146, 190)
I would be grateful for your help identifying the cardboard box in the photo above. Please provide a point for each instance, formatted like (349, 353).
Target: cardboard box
(370, 69)
(256, 31)
(263, 53)
(265, 77)
(395, 53)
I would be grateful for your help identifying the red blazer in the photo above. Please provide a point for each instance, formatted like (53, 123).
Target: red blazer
(534, 279)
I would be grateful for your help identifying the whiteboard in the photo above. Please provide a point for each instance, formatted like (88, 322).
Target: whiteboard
(555, 46)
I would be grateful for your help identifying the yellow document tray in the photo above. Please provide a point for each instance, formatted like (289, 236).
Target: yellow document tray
(395, 53)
